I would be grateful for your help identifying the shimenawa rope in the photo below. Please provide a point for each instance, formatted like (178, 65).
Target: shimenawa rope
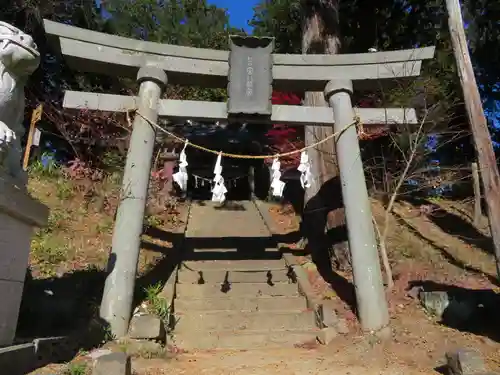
(356, 122)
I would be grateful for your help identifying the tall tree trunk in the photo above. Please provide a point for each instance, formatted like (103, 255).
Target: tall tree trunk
(323, 199)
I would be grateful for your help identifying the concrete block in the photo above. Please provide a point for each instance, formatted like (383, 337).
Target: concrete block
(11, 292)
(15, 242)
(218, 276)
(244, 339)
(112, 364)
(15, 202)
(434, 303)
(144, 349)
(147, 327)
(305, 287)
(47, 349)
(168, 291)
(465, 362)
(97, 353)
(17, 359)
(342, 326)
(235, 290)
(19, 214)
(328, 315)
(242, 304)
(234, 265)
(326, 335)
(236, 320)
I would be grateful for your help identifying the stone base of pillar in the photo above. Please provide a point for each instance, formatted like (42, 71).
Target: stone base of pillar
(19, 215)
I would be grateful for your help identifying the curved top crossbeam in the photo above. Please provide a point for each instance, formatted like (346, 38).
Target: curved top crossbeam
(92, 51)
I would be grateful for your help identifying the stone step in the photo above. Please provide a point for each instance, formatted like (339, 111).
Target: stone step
(219, 276)
(242, 304)
(239, 340)
(237, 219)
(235, 265)
(271, 252)
(235, 290)
(238, 320)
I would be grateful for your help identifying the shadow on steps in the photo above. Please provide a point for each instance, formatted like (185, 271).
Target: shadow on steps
(223, 248)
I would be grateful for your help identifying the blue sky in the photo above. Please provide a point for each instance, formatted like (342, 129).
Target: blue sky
(240, 11)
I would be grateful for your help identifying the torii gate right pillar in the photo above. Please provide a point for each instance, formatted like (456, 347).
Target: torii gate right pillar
(370, 295)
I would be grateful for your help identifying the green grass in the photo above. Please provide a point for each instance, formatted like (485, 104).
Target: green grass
(58, 220)
(106, 225)
(48, 251)
(153, 221)
(76, 369)
(157, 304)
(51, 169)
(64, 189)
(48, 247)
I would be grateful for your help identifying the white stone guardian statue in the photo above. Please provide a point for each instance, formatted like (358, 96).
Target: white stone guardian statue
(19, 58)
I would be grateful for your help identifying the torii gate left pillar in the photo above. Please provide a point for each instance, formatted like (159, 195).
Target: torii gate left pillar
(117, 299)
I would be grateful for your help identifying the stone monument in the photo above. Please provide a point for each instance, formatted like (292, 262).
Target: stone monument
(19, 213)
(19, 58)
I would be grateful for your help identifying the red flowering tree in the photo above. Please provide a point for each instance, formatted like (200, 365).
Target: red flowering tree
(284, 138)
(373, 131)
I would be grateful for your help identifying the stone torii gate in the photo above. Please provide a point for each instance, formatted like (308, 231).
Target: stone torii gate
(249, 71)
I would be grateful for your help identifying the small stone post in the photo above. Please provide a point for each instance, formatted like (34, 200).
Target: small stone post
(370, 295)
(116, 305)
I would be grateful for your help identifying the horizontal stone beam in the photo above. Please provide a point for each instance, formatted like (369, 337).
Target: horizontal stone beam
(84, 56)
(71, 32)
(406, 55)
(87, 50)
(177, 110)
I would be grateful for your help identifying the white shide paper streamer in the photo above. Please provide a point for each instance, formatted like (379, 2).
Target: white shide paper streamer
(219, 189)
(305, 169)
(277, 185)
(181, 177)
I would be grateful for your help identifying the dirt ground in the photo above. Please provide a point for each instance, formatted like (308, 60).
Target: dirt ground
(421, 249)
(331, 360)
(292, 361)
(420, 252)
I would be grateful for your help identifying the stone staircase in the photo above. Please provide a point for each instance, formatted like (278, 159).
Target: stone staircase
(233, 289)
(239, 304)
